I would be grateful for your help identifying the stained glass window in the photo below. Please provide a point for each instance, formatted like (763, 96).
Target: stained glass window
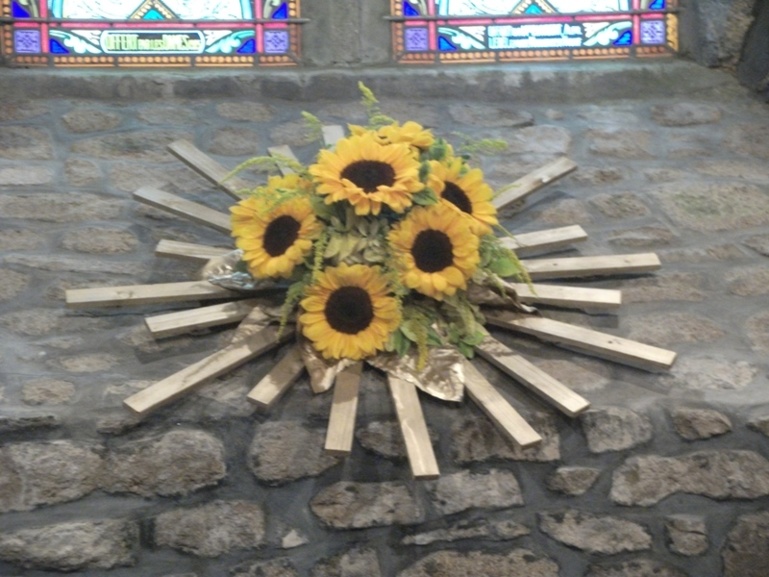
(430, 31)
(143, 33)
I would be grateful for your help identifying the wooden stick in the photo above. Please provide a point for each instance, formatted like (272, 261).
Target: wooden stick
(186, 380)
(533, 181)
(332, 134)
(344, 407)
(181, 322)
(532, 377)
(587, 341)
(544, 240)
(189, 250)
(183, 207)
(143, 294)
(568, 296)
(267, 391)
(208, 168)
(586, 266)
(509, 421)
(286, 152)
(414, 429)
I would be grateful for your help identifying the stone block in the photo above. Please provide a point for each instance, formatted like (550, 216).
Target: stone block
(573, 480)
(746, 551)
(693, 424)
(615, 429)
(465, 490)
(516, 563)
(347, 505)
(687, 534)
(604, 535)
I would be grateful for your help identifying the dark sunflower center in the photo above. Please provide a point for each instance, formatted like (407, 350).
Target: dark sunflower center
(457, 197)
(432, 251)
(280, 234)
(368, 174)
(349, 310)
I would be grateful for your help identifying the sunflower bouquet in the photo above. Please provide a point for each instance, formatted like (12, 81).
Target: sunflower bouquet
(378, 243)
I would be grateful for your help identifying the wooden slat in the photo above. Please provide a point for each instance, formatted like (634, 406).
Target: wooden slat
(183, 207)
(207, 167)
(586, 341)
(189, 250)
(591, 299)
(587, 266)
(278, 380)
(532, 377)
(189, 378)
(144, 294)
(414, 429)
(332, 134)
(509, 421)
(286, 152)
(545, 240)
(181, 322)
(533, 181)
(344, 407)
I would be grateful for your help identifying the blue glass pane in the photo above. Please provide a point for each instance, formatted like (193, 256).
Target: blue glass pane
(625, 39)
(248, 47)
(18, 12)
(153, 14)
(444, 45)
(533, 9)
(657, 5)
(409, 10)
(281, 13)
(57, 47)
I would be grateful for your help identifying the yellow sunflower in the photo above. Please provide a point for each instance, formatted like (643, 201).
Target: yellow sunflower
(436, 249)
(349, 312)
(466, 190)
(367, 174)
(412, 133)
(274, 241)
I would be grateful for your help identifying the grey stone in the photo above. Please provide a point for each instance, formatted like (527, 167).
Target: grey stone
(47, 392)
(725, 474)
(282, 452)
(82, 120)
(594, 533)
(465, 490)
(26, 423)
(20, 239)
(687, 534)
(482, 529)
(295, 133)
(715, 253)
(540, 139)
(748, 139)
(73, 546)
(238, 525)
(620, 143)
(749, 282)
(672, 328)
(746, 551)
(176, 463)
(477, 114)
(80, 172)
(169, 114)
(580, 374)
(685, 114)
(706, 374)
(12, 283)
(96, 240)
(245, 111)
(615, 429)
(56, 207)
(760, 424)
(385, 438)
(273, 568)
(12, 111)
(757, 329)
(597, 175)
(663, 287)
(625, 205)
(693, 424)
(759, 243)
(347, 505)
(26, 176)
(573, 480)
(564, 213)
(640, 237)
(353, 563)
(63, 264)
(293, 539)
(516, 563)
(44, 473)
(88, 363)
(40, 321)
(235, 142)
(25, 143)
(477, 439)
(144, 145)
(636, 568)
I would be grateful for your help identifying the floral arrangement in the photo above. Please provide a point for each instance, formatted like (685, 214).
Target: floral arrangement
(378, 242)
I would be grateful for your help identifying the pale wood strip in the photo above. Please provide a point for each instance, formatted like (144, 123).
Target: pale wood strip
(186, 380)
(586, 266)
(268, 390)
(183, 207)
(207, 167)
(143, 294)
(344, 407)
(414, 429)
(509, 421)
(285, 151)
(568, 296)
(545, 240)
(181, 322)
(533, 181)
(189, 250)
(332, 134)
(532, 377)
(586, 341)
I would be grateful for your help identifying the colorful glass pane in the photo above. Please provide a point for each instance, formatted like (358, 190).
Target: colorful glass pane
(428, 31)
(151, 32)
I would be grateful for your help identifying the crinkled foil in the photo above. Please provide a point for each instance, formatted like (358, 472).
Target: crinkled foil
(322, 372)
(222, 271)
(442, 377)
